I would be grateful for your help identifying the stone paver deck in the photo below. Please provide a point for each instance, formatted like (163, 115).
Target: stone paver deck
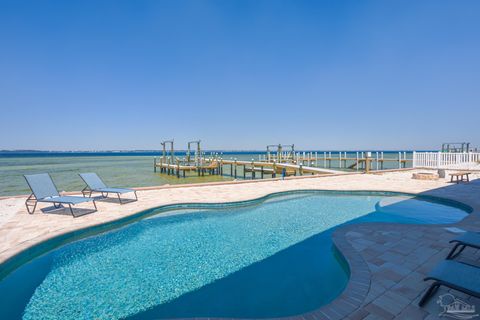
(388, 263)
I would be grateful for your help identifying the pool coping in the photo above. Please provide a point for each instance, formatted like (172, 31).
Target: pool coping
(358, 286)
(351, 298)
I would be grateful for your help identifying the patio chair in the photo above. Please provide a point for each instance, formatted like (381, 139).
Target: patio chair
(468, 239)
(44, 190)
(455, 275)
(95, 184)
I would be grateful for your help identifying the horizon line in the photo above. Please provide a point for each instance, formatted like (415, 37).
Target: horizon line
(206, 150)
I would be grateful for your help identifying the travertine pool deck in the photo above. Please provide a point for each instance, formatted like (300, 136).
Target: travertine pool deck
(388, 261)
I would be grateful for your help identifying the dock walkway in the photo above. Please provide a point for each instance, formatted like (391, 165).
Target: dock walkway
(274, 165)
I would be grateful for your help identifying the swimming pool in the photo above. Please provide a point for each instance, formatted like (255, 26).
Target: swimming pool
(268, 257)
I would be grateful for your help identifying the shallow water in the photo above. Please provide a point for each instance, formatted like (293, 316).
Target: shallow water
(269, 260)
(117, 170)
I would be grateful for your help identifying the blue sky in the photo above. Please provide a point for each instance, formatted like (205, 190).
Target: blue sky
(239, 74)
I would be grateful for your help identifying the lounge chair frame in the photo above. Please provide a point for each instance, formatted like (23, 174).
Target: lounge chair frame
(57, 205)
(439, 282)
(89, 191)
(32, 201)
(434, 287)
(459, 244)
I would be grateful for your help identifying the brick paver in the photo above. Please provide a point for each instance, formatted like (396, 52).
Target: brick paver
(397, 275)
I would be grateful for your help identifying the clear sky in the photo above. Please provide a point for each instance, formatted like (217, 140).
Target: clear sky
(85, 75)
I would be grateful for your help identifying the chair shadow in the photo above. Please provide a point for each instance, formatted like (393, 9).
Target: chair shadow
(113, 200)
(65, 211)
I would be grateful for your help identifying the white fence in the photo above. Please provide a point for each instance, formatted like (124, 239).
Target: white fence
(446, 160)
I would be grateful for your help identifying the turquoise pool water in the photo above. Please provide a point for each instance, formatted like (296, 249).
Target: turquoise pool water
(268, 259)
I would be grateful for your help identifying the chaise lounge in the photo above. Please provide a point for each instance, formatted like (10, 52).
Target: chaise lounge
(455, 275)
(468, 239)
(95, 184)
(44, 190)
(459, 276)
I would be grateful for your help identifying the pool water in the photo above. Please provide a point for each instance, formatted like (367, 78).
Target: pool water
(271, 259)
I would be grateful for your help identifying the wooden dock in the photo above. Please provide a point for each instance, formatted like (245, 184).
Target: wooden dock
(278, 168)
(375, 160)
(262, 169)
(181, 169)
(278, 160)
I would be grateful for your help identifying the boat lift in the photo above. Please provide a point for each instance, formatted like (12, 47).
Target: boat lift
(197, 155)
(280, 154)
(462, 147)
(164, 151)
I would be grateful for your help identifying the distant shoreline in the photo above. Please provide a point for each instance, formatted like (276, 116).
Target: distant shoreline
(153, 153)
(183, 151)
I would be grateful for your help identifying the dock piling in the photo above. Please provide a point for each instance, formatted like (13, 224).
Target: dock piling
(235, 168)
(279, 162)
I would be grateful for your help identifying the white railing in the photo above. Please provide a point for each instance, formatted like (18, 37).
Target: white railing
(446, 160)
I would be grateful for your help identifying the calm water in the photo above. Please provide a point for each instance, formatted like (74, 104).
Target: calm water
(269, 260)
(119, 170)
